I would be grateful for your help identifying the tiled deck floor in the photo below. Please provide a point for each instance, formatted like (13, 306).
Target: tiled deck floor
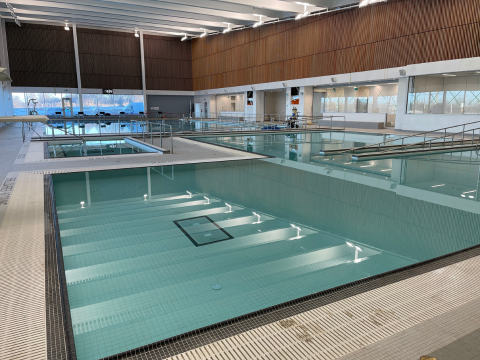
(434, 314)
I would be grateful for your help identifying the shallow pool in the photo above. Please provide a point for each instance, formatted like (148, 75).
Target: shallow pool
(66, 149)
(151, 253)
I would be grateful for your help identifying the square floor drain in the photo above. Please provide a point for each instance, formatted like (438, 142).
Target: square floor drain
(202, 230)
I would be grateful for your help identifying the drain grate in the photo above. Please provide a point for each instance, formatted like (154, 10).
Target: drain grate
(202, 230)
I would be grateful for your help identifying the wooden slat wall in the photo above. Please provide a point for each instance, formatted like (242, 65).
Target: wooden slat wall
(390, 34)
(168, 63)
(109, 60)
(41, 56)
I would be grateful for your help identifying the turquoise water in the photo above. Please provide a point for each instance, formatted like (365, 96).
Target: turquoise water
(144, 247)
(452, 174)
(93, 148)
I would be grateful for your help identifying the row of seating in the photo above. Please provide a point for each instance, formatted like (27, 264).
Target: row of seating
(102, 114)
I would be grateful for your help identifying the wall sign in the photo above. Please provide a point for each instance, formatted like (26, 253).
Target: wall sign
(108, 91)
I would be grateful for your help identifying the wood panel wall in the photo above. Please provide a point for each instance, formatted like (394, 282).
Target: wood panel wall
(389, 34)
(41, 55)
(168, 63)
(109, 60)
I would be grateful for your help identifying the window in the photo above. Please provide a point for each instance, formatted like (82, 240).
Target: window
(35, 104)
(472, 95)
(444, 94)
(19, 104)
(129, 104)
(53, 103)
(90, 104)
(105, 104)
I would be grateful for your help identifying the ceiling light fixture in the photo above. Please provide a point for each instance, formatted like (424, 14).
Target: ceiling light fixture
(305, 12)
(448, 75)
(66, 26)
(257, 24)
(185, 37)
(227, 29)
(137, 34)
(12, 13)
(369, 2)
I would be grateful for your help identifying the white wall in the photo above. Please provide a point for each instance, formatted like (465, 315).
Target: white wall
(275, 102)
(224, 103)
(427, 122)
(211, 104)
(362, 117)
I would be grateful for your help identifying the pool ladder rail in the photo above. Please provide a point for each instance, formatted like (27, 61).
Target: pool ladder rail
(451, 142)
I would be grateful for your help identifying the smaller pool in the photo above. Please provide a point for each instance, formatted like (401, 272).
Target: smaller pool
(63, 149)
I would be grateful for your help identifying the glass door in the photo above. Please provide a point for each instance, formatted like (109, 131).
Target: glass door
(67, 107)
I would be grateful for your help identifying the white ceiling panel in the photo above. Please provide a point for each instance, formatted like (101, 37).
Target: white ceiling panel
(162, 17)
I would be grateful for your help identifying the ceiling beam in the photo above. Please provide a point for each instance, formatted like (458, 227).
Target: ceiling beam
(330, 4)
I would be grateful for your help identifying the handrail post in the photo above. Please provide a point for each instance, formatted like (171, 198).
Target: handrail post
(99, 128)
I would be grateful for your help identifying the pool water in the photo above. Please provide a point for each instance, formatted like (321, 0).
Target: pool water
(94, 148)
(454, 174)
(151, 253)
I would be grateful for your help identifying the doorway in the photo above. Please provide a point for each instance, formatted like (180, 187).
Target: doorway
(67, 107)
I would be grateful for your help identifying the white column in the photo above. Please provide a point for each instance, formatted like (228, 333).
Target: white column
(402, 99)
(144, 84)
(77, 64)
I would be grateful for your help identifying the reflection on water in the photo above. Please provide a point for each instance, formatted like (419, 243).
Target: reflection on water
(453, 174)
(143, 247)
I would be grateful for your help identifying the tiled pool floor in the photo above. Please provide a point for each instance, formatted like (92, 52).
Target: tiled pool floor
(134, 277)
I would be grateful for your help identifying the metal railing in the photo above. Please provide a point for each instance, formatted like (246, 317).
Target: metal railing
(380, 144)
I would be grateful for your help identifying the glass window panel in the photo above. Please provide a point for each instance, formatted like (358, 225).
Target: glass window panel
(351, 99)
(341, 99)
(331, 103)
(411, 103)
(105, 104)
(421, 103)
(39, 107)
(455, 101)
(75, 101)
(90, 104)
(435, 103)
(363, 100)
(53, 103)
(19, 104)
(472, 95)
(129, 104)
(472, 102)
(385, 99)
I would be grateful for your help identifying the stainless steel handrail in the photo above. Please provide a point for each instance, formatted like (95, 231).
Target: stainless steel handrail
(404, 147)
(406, 137)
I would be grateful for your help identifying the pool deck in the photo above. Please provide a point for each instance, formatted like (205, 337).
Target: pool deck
(434, 313)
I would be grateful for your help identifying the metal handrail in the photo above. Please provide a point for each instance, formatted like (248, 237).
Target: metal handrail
(409, 136)
(437, 138)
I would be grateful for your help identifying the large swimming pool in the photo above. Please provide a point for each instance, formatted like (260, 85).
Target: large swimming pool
(151, 253)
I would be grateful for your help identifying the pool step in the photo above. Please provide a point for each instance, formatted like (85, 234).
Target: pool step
(124, 202)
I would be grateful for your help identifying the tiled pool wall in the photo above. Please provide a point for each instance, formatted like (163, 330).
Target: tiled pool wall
(380, 218)
(126, 184)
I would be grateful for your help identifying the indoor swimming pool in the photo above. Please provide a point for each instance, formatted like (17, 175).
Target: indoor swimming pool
(77, 148)
(151, 253)
(455, 174)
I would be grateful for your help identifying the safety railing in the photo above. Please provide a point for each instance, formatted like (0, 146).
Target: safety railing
(402, 139)
(186, 125)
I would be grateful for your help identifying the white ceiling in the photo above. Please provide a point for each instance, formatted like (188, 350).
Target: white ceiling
(162, 17)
